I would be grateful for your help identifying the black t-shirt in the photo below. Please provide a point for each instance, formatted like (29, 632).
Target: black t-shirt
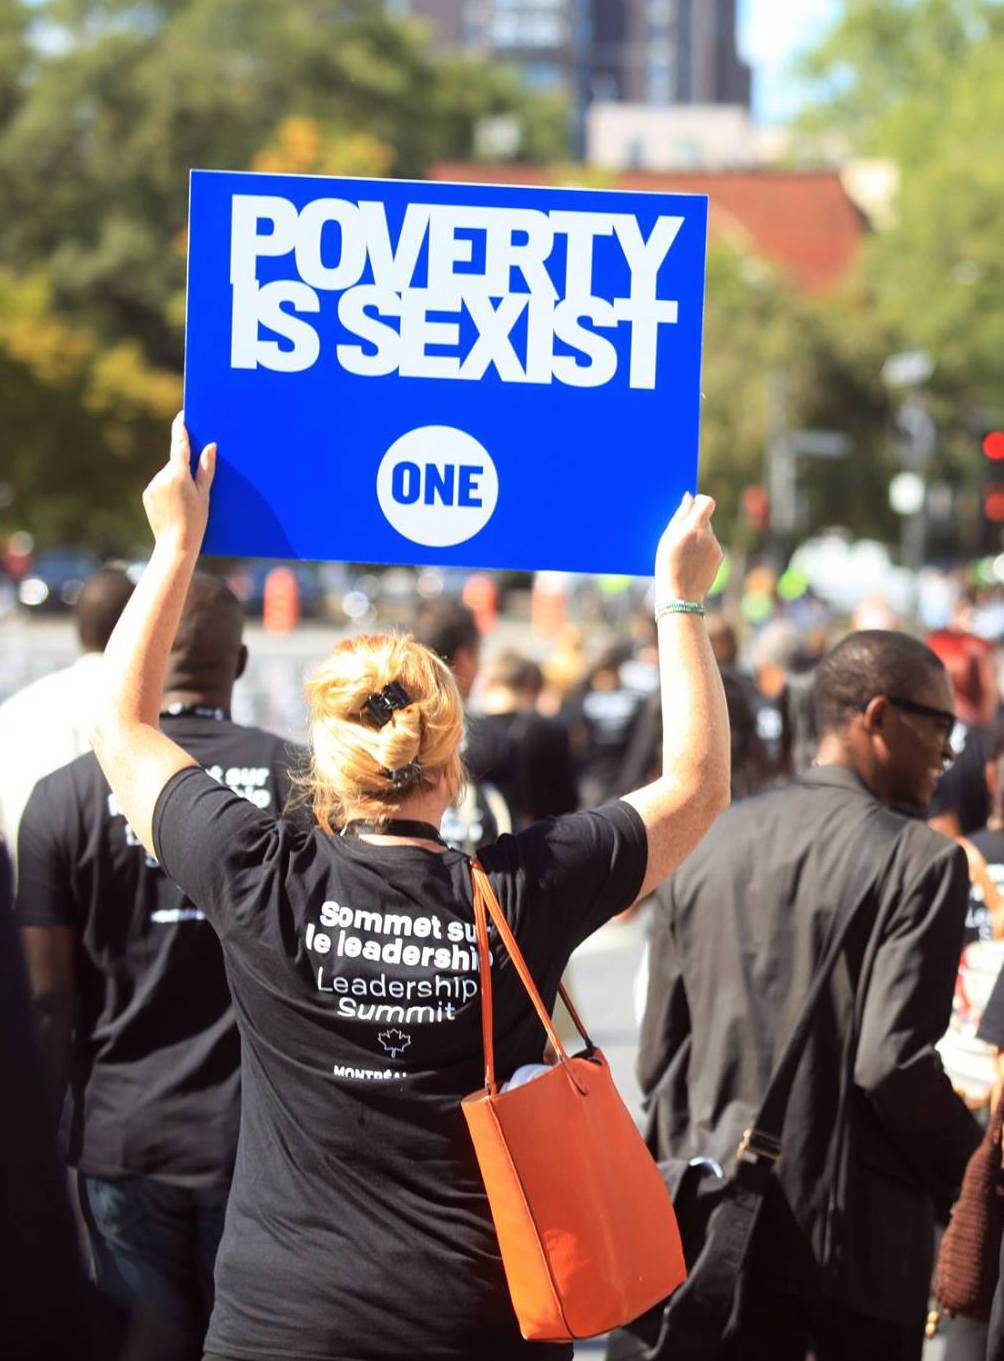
(991, 1027)
(477, 819)
(155, 1068)
(608, 718)
(979, 919)
(979, 926)
(357, 1227)
(529, 758)
(962, 789)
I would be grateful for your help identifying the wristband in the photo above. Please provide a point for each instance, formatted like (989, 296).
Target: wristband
(678, 607)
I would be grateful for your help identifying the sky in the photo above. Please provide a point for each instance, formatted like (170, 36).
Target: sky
(770, 33)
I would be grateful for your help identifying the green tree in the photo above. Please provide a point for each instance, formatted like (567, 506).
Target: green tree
(775, 361)
(918, 83)
(105, 106)
(879, 53)
(15, 56)
(83, 424)
(94, 161)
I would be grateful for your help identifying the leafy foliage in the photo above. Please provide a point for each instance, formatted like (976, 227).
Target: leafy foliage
(775, 362)
(83, 423)
(918, 82)
(105, 105)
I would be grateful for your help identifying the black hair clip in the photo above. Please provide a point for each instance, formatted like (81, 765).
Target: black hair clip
(405, 776)
(381, 706)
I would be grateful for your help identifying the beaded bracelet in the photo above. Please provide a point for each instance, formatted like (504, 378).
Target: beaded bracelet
(678, 607)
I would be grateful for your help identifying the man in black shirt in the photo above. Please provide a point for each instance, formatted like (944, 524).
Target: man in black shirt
(131, 996)
(528, 757)
(777, 652)
(448, 628)
(875, 1141)
(609, 711)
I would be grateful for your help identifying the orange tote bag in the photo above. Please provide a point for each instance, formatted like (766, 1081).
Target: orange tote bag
(584, 1221)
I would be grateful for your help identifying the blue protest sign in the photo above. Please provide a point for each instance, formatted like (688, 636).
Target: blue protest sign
(401, 371)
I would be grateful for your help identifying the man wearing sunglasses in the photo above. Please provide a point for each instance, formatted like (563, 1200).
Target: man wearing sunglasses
(875, 1141)
(917, 737)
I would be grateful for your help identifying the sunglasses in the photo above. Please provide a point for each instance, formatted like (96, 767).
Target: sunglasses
(912, 706)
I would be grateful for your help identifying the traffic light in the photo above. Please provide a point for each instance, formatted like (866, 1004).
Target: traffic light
(756, 508)
(992, 445)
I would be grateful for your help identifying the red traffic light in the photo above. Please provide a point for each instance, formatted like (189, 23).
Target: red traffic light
(993, 502)
(756, 508)
(993, 444)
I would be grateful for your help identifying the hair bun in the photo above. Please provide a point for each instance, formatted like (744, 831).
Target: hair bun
(386, 718)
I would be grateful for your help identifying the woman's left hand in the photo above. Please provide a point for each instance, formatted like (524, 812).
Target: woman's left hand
(176, 503)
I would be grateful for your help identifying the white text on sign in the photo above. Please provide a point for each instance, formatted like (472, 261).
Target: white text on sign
(471, 253)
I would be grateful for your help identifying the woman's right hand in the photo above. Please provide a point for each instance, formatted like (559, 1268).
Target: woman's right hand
(689, 555)
(176, 503)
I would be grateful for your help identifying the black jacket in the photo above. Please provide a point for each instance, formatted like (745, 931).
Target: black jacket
(875, 1140)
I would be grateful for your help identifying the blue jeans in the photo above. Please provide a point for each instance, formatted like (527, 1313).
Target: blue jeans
(154, 1246)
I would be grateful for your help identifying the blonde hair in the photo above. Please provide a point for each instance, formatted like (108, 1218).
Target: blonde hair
(360, 769)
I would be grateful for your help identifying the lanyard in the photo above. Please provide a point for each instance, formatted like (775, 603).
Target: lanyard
(194, 711)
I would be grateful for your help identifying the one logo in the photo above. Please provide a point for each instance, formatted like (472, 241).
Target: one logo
(437, 486)
(394, 1041)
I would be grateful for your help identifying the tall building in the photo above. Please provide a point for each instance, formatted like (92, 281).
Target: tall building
(637, 51)
(666, 52)
(537, 36)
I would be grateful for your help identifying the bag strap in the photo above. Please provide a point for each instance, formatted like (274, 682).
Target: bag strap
(979, 874)
(763, 1138)
(487, 905)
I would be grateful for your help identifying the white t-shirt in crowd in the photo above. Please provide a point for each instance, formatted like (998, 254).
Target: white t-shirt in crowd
(42, 727)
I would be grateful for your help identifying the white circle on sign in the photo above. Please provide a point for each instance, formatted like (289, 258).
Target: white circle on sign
(437, 486)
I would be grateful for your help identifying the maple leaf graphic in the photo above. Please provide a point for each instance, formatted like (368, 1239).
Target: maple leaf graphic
(394, 1041)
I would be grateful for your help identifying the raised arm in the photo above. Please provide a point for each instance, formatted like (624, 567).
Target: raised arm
(137, 758)
(681, 805)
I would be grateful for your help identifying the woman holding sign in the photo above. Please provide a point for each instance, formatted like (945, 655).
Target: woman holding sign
(358, 1226)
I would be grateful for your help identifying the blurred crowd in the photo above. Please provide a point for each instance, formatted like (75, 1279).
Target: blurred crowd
(573, 721)
(593, 696)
